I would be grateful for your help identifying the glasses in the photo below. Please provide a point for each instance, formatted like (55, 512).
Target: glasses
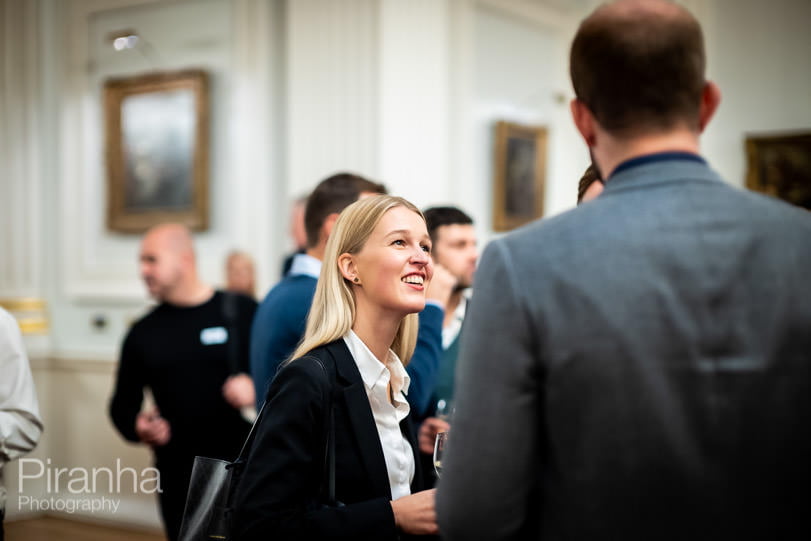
(439, 449)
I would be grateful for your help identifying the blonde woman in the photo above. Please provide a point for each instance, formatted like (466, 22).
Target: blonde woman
(361, 330)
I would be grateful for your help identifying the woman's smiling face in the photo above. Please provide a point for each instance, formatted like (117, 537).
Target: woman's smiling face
(394, 266)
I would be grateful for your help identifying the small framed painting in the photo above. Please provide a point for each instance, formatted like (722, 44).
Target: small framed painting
(520, 175)
(157, 150)
(780, 165)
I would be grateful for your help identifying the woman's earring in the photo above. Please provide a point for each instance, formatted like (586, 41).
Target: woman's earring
(355, 279)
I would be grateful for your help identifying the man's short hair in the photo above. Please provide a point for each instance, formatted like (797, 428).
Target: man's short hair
(590, 176)
(436, 217)
(639, 70)
(332, 195)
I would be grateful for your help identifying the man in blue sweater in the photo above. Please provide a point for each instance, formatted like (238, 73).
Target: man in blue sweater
(281, 318)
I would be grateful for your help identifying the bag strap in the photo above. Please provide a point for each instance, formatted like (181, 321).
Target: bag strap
(329, 451)
(251, 435)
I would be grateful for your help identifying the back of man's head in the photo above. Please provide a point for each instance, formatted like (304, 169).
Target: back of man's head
(638, 65)
(332, 195)
(436, 217)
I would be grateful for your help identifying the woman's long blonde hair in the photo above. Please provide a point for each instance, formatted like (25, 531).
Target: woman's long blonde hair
(333, 310)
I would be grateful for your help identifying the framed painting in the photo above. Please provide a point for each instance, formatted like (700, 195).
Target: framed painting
(157, 150)
(780, 165)
(520, 174)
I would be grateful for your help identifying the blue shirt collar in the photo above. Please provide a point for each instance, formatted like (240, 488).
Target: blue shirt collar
(657, 157)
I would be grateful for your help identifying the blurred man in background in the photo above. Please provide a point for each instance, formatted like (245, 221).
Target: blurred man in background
(191, 351)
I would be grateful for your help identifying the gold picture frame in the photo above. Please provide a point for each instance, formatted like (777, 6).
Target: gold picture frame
(157, 150)
(520, 174)
(780, 165)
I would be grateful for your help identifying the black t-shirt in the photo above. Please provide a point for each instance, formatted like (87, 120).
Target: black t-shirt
(184, 355)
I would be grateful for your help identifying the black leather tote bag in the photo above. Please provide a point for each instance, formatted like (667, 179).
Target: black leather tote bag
(208, 510)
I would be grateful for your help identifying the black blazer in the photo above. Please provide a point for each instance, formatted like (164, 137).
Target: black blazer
(283, 486)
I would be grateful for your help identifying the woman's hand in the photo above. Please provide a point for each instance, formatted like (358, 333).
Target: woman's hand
(416, 513)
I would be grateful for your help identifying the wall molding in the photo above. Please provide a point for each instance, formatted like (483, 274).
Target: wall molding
(75, 364)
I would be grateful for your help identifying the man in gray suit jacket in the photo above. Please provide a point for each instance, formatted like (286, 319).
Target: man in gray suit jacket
(638, 367)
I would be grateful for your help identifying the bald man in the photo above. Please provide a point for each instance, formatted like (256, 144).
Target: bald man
(191, 351)
(640, 367)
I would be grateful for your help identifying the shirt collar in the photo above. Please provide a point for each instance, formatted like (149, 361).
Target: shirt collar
(451, 331)
(306, 265)
(656, 157)
(372, 371)
(460, 311)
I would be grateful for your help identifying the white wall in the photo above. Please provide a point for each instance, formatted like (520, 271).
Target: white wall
(521, 77)
(756, 51)
(758, 54)
(332, 98)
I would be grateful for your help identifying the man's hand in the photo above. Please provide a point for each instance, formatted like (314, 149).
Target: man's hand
(152, 429)
(238, 391)
(441, 285)
(429, 428)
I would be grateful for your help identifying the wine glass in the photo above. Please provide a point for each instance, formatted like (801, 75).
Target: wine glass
(439, 449)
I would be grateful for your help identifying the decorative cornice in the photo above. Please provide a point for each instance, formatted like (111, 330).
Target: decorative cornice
(87, 364)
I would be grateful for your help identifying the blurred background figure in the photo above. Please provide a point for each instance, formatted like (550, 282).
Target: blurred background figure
(20, 422)
(455, 250)
(191, 351)
(240, 274)
(298, 232)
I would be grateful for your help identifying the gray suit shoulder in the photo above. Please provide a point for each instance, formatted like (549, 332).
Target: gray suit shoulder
(775, 208)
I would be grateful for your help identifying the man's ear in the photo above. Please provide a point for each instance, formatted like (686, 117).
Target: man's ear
(710, 99)
(347, 267)
(583, 120)
(187, 259)
(329, 223)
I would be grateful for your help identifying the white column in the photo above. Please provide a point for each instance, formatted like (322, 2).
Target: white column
(21, 153)
(332, 90)
(20, 274)
(256, 141)
(414, 87)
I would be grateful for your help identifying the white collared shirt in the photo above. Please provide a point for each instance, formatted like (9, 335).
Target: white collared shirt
(306, 265)
(376, 377)
(451, 331)
(20, 422)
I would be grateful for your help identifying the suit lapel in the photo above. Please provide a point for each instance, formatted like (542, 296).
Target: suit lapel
(360, 415)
